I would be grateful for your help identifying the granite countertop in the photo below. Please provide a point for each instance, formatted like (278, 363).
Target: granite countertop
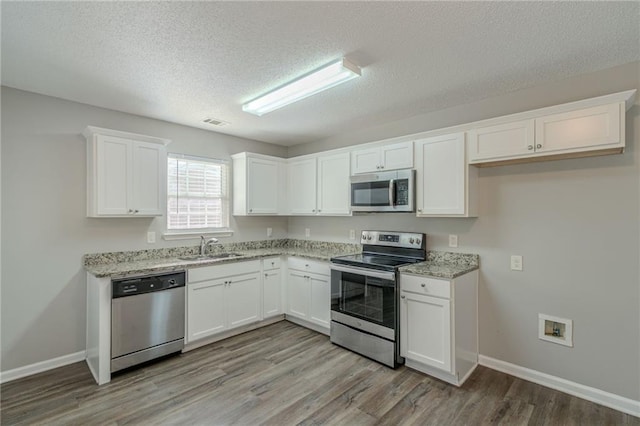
(444, 265)
(117, 264)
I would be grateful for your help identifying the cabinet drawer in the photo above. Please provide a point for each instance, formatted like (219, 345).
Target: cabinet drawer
(220, 271)
(426, 286)
(308, 265)
(271, 263)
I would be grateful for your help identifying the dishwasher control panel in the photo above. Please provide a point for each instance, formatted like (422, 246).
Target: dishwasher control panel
(147, 284)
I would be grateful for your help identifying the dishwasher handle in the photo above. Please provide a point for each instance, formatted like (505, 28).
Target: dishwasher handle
(140, 285)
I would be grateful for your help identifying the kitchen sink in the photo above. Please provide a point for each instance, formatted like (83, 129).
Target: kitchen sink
(197, 257)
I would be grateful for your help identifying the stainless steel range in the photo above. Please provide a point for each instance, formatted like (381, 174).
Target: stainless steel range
(365, 295)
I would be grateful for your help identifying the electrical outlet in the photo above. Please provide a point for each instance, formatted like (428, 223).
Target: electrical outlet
(151, 237)
(269, 232)
(307, 232)
(516, 262)
(453, 241)
(352, 234)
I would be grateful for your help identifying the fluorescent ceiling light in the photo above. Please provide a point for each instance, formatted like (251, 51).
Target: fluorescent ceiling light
(309, 84)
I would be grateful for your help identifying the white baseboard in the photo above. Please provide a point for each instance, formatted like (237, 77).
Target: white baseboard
(39, 367)
(617, 402)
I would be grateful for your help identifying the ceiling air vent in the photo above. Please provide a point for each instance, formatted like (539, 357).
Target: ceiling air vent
(215, 122)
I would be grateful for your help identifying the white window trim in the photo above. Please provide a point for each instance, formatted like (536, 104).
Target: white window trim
(187, 234)
(195, 234)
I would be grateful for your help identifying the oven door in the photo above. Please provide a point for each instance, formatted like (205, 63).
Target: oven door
(364, 299)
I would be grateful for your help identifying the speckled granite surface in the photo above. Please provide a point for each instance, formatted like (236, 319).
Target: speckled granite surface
(444, 264)
(115, 264)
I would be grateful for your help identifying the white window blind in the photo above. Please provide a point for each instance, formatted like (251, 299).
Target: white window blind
(197, 193)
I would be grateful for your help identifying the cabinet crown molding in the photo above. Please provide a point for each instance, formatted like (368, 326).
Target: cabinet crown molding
(90, 131)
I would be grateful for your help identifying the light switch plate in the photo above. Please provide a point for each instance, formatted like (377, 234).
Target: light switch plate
(453, 240)
(352, 234)
(151, 237)
(269, 232)
(516, 262)
(307, 232)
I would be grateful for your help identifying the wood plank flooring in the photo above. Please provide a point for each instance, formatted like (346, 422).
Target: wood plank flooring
(284, 374)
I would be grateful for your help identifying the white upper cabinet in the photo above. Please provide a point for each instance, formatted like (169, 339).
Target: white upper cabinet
(391, 156)
(445, 185)
(579, 129)
(126, 174)
(302, 186)
(333, 184)
(259, 185)
(319, 185)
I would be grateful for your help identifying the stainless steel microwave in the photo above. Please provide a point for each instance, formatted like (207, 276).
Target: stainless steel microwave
(383, 192)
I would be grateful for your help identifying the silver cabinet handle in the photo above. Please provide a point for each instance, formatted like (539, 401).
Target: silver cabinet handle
(530, 147)
(423, 285)
(135, 211)
(250, 210)
(313, 211)
(130, 211)
(539, 146)
(319, 210)
(402, 297)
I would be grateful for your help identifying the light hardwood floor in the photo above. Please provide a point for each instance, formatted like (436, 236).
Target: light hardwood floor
(284, 374)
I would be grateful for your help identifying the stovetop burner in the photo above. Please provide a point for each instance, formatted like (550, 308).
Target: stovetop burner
(386, 251)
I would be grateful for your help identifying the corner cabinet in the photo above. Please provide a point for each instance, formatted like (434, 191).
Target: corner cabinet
(319, 185)
(439, 325)
(126, 174)
(445, 184)
(259, 185)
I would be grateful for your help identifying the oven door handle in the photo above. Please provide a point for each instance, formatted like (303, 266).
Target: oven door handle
(392, 193)
(366, 272)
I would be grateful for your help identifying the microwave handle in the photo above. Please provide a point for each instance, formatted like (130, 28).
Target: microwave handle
(392, 192)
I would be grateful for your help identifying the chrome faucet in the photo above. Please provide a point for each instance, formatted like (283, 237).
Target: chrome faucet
(204, 243)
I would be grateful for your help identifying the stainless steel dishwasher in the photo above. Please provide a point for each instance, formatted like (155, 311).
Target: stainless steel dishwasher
(147, 318)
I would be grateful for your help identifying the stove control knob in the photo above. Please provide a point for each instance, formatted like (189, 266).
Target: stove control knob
(368, 237)
(410, 240)
(418, 241)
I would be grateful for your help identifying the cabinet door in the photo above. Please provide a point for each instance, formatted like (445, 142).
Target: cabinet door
(425, 330)
(148, 179)
(243, 299)
(299, 294)
(263, 188)
(205, 309)
(397, 156)
(302, 186)
(113, 170)
(320, 311)
(365, 160)
(333, 184)
(589, 127)
(271, 290)
(502, 141)
(441, 175)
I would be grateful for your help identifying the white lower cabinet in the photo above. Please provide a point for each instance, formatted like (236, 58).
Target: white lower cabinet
(221, 298)
(439, 325)
(271, 287)
(309, 293)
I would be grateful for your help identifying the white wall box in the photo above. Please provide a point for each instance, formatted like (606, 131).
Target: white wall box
(386, 156)
(439, 325)
(319, 184)
(584, 128)
(222, 297)
(126, 174)
(445, 184)
(309, 293)
(259, 185)
(271, 287)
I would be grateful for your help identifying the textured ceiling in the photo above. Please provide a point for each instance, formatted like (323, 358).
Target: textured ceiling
(186, 61)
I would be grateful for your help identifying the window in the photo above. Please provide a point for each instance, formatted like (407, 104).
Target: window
(197, 194)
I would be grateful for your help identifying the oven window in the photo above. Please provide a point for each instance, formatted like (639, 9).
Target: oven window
(371, 299)
(370, 194)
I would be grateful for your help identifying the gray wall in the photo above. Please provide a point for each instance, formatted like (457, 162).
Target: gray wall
(44, 228)
(575, 222)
